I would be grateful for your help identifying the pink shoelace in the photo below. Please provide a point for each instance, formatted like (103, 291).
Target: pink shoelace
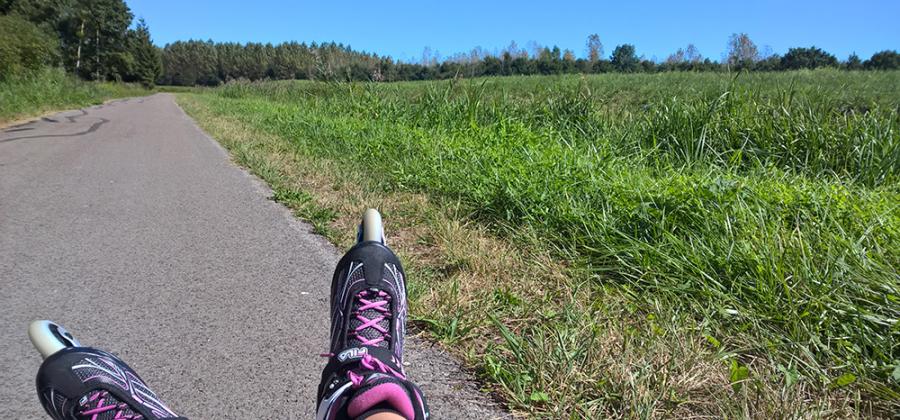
(380, 306)
(94, 406)
(370, 363)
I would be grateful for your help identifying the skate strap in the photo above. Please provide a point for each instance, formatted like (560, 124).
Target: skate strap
(352, 357)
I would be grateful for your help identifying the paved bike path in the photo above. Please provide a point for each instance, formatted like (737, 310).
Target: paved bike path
(128, 225)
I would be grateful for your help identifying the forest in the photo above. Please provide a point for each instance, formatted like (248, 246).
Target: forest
(101, 40)
(93, 39)
(210, 63)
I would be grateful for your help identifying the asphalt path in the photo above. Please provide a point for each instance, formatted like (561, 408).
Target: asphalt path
(131, 227)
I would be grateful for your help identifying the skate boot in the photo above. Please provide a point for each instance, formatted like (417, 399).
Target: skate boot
(364, 375)
(83, 383)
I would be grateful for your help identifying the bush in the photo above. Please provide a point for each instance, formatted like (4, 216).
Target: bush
(807, 58)
(25, 48)
(29, 94)
(884, 60)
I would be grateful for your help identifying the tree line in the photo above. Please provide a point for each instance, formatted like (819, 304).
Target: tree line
(210, 63)
(93, 39)
(99, 40)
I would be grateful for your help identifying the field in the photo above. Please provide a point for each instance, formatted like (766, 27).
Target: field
(617, 245)
(52, 90)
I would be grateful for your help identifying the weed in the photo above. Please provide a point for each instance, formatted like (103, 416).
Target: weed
(51, 90)
(633, 245)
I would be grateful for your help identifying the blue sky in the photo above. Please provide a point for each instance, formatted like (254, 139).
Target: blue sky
(403, 28)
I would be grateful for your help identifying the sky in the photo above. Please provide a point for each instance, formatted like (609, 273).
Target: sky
(403, 28)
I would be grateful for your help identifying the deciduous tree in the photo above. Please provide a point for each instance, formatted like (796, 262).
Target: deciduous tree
(742, 52)
(883, 60)
(625, 59)
(594, 48)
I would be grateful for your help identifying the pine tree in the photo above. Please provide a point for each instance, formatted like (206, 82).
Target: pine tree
(147, 58)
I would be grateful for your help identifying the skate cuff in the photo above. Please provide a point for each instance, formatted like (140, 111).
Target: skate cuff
(389, 392)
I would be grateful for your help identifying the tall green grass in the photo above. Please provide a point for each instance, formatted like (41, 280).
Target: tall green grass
(28, 95)
(765, 206)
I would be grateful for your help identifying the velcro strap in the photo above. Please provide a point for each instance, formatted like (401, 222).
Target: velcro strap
(350, 357)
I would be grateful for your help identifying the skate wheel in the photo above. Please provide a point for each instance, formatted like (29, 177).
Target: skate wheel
(371, 228)
(49, 337)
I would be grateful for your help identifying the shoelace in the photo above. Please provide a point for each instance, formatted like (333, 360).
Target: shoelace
(378, 305)
(370, 363)
(93, 407)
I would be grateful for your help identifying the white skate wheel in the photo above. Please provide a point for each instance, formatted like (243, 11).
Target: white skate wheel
(49, 337)
(372, 228)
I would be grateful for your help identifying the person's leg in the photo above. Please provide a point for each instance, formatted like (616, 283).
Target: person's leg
(385, 416)
(364, 377)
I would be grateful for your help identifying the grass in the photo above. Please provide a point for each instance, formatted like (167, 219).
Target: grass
(52, 90)
(618, 245)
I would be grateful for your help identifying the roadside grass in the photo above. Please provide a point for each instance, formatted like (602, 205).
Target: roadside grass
(52, 90)
(181, 89)
(634, 246)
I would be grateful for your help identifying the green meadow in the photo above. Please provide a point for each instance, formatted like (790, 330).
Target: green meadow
(714, 244)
